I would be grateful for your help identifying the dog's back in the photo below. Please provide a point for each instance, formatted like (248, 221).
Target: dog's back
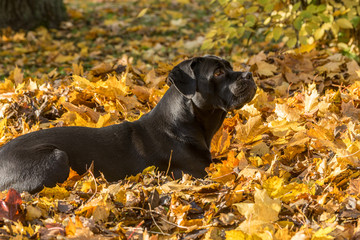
(44, 157)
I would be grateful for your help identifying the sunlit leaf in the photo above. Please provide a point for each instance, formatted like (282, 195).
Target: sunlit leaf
(344, 23)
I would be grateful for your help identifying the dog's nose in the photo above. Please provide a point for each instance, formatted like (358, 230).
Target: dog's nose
(246, 75)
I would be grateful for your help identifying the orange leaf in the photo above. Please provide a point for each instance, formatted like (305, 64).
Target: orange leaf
(73, 175)
(10, 207)
(223, 172)
(70, 228)
(220, 142)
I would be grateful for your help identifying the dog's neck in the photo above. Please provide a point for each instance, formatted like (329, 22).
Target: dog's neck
(175, 110)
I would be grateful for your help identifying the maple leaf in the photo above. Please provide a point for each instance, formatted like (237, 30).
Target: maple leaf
(266, 69)
(323, 234)
(354, 187)
(251, 131)
(225, 171)
(283, 111)
(9, 208)
(311, 100)
(259, 214)
(55, 192)
(277, 188)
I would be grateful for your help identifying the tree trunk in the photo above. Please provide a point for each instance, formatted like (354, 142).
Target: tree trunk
(28, 14)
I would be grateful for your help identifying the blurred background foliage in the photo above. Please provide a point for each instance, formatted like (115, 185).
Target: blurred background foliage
(286, 24)
(162, 31)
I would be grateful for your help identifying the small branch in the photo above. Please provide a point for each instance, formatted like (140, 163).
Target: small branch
(155, 221)
(90, 170)
(167, 171)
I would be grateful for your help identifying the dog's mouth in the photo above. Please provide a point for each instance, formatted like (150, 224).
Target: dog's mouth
(243, 92)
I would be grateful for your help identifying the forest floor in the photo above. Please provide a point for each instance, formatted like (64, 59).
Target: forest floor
(286, 164)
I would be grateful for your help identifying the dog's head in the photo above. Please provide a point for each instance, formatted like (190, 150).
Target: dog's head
(211, 83)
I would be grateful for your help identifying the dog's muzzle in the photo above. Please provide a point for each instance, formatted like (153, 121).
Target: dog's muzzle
(243, 89)
(244, 85)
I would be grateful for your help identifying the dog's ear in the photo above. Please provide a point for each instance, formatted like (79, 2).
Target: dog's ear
(183, 77)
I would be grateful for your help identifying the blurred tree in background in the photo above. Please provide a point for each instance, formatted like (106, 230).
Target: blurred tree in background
(28, 14)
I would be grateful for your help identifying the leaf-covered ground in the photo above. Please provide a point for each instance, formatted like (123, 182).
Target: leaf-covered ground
(286, 166)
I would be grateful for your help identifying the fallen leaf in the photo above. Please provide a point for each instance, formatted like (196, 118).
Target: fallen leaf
(259, 214)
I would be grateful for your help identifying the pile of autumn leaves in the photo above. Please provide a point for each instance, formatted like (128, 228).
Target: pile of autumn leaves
(288, 162)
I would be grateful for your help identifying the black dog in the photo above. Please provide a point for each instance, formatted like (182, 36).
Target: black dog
(202, 91)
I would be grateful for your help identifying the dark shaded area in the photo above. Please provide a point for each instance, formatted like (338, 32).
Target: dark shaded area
(29, 14)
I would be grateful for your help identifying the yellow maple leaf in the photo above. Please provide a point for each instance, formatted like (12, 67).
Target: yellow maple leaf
(260, 214)
(55, 192)
(81, 82)
(277, 188)
(251, 131)
(323, 234)
(104, 120)
(236, 235)
(98, 208)
(283, 127)
(283, 111)
(6, 86)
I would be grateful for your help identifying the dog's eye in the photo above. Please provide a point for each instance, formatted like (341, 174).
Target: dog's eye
(218, 72)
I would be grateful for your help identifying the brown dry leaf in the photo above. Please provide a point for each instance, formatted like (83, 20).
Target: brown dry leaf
(102, 68)
(142, 93)
(311, 100)
(154, 81)
(17, 76)
(260, 149)
(83, 111)
(257, 58)
(330, 67)
(32, 213)
(354, 187)
(353, 70)
(348, 109)
(290, 76)
(78, 69)
(213, 234)
(266, 69)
